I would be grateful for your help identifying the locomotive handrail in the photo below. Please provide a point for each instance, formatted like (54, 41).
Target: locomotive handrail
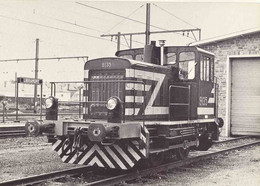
(216, 88)
(53, 89)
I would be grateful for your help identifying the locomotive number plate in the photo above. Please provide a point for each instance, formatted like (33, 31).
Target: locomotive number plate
(203, 101)
(106, 65)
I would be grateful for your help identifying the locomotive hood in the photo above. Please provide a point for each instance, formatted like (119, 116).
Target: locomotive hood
(117, 63)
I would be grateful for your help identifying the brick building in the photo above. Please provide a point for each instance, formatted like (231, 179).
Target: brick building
(237, 68)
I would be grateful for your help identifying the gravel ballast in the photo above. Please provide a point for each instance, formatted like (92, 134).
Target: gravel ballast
(21, 157)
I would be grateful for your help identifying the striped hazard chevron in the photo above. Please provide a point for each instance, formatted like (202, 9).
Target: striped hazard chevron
(116, 156)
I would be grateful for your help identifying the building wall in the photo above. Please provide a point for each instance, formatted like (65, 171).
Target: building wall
(241, 45)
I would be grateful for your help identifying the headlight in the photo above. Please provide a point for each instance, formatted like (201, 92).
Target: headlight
(112, 103)
(49, 102)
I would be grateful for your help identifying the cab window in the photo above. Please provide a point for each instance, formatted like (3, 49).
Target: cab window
(187, 65)
(139, 57)
(170, 58)
(127, 56)
(205, 69)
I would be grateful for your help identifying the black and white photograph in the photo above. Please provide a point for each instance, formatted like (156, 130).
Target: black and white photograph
(122, 93)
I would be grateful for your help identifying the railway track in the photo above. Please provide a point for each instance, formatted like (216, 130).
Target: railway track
(45, 177)
(12, 131)
(195, 156)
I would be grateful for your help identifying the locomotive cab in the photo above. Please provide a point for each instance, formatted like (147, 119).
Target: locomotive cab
(192, 90)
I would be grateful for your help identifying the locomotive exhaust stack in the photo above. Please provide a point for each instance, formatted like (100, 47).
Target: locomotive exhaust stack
(151, 53)
(162, 43)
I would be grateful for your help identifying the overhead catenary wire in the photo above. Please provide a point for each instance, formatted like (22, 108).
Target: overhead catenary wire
(92, 7)
(111, 13)
(78, 25)
(59, 20)
(70, 23)
(174, 15)
(45, 58)
(52, 27)
(125, 18)
(21, 37)
(56, 28)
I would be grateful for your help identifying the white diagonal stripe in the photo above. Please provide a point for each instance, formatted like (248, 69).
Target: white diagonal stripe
(74, 158)
(159, 77)
(56, 144)
(91, 151)
(103, 155)
(123, 154)
(60, 150)
(64, 158)
(95, 160)
(143, 151)
(114, 156)
(134, 154)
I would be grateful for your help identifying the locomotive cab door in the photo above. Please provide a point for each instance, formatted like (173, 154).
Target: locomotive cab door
(184, 92)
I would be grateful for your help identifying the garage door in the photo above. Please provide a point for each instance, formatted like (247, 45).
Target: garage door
(245, 96)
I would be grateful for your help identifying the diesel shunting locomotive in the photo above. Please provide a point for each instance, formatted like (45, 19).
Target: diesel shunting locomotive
(140, 105)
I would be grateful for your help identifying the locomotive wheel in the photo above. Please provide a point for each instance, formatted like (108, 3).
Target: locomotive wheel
(155, 159)
(204, 143)
(182, 153)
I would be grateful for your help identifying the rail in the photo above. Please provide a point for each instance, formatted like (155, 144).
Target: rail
(12, 131)
(130, 175)
(47, 176)
(162, 168)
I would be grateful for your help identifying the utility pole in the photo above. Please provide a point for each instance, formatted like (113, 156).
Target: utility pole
(147, 31)
(36, 73)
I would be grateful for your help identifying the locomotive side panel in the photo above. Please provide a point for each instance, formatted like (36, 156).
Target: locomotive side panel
(206, 102)
(154, 97)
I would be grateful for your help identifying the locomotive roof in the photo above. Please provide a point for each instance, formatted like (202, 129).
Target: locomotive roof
(205, 51)
(168, 47)
(131, 62)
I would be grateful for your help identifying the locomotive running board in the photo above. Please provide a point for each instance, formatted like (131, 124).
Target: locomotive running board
(182, 145)
(180, 122)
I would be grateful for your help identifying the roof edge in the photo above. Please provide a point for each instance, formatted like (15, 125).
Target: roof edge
(225, 37)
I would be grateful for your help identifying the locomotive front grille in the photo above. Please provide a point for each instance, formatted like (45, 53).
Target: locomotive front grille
(101, 91)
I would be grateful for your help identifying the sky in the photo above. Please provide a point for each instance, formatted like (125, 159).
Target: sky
(73, 28)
